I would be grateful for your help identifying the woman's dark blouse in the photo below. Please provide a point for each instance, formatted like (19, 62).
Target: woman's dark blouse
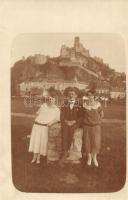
(92, 115)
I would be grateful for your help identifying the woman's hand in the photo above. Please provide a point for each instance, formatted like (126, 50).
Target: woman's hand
(49, 124)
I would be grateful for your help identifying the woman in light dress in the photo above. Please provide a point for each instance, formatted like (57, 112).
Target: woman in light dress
(47, 115)
(92, 117)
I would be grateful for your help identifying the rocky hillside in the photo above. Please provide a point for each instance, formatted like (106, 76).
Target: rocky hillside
(23, 70)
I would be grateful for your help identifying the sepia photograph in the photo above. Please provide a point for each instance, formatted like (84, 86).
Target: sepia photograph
(68, 112)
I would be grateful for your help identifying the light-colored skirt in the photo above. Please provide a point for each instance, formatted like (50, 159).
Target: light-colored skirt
(92, 139)
(39, 140)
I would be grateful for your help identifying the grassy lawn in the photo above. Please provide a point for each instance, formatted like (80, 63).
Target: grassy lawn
(109, 177)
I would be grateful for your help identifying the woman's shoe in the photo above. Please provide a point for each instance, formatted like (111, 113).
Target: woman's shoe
(38, 162)
(89, 162)
(96, 162)
(33, 160)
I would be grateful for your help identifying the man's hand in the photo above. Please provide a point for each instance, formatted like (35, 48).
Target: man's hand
(70, 123)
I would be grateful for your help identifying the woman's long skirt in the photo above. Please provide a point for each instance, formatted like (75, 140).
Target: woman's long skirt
(39, 140)
(92, 139)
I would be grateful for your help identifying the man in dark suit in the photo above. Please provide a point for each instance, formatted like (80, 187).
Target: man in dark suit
(71, 117)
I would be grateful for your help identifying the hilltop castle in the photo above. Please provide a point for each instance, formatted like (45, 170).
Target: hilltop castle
(74, 67)
(73, 52)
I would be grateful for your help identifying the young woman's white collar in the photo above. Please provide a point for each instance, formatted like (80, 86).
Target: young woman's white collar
(97, 105)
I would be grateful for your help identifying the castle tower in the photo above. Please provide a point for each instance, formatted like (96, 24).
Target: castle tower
(77, 45)
(76, 42)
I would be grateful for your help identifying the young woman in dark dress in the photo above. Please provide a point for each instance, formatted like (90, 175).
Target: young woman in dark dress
(92, 117)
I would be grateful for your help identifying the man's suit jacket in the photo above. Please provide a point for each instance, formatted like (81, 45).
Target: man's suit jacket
(71, 114)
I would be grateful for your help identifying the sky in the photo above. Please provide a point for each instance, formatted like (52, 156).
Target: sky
(110, 47)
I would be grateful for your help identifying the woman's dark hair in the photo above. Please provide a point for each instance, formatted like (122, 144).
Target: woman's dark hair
(52, 94)
(91, 91)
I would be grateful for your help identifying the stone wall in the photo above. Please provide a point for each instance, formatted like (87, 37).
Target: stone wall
(55, 147)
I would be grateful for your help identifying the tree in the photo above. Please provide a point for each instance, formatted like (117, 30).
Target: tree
(93, 84)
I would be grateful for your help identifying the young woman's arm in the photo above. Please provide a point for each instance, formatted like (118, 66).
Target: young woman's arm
(53, 122)
(56, 119)
(39, 110)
